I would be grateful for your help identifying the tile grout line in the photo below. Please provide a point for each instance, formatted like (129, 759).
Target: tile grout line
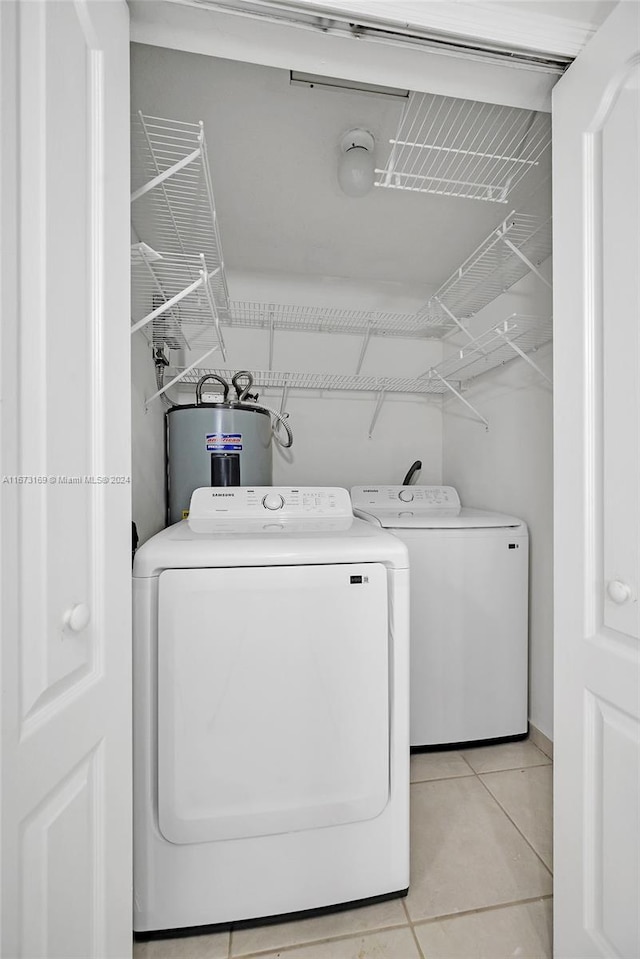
(465, 760)
(411, 923)
(417, 942)
(511, 769)
(481, 909)
(440, 779)
(318, 942)
(514, 824)
(411, 927)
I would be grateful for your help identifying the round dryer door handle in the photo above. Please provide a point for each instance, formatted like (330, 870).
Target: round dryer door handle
(618, 592)
(77, 617)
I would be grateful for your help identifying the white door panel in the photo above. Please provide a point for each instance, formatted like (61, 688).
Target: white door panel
(597, 722)
(619, 181)
(57, 356)
(273, 699)
(66, 875)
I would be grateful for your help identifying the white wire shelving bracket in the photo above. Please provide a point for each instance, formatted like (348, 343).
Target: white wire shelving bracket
(513, 249)
(516, 336)
(180, 376)
(463, 148)
(179, 285)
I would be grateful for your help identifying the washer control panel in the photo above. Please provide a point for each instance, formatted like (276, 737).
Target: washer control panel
(388, 497)
(281, 502)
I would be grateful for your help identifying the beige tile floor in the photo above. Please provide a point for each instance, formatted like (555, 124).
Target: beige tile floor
(480, 880)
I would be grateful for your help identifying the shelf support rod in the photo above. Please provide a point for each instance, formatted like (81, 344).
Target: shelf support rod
(212, 306)
(270, 367)
(526, 261)
(157, 180)
(455, 319)
(524, 356)
(167, 305)
(376, 412)
(285, 395)
(181, 375)
(458, 323)
(365, 344)
(209, 188)
(459, 395)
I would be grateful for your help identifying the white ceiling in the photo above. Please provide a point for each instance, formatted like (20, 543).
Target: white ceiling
(592, 12)
(587, 12)
(274, 150)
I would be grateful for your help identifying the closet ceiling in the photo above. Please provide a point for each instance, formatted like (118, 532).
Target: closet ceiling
(274, 148)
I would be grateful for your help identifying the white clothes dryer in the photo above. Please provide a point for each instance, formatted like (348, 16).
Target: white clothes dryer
(271, 746)
(469, 612)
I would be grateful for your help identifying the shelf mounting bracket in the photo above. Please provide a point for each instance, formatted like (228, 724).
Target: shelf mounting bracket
(455, 319)
(206, 276)
(284, 397)
(365, 344)
(434, 372)
(271, 334)
(161, 177)
(180, 376)
(376, 412)
(526, 261)
(173, 301)
(166, 305)
(524, 355)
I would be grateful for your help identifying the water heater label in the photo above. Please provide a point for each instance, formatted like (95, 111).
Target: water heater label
(219, 442)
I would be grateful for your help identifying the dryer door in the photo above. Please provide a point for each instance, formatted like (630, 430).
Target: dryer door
(273, 699)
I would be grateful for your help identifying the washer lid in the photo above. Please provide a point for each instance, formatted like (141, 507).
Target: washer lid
(374, 498)
(416, 517)
(423, 507)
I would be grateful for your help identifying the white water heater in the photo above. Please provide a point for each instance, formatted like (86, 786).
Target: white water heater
(223, 443)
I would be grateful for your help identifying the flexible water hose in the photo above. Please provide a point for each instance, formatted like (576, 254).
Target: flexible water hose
(280, 419)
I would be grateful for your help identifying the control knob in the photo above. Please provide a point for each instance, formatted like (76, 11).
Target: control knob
(273, 501)
(405, 495)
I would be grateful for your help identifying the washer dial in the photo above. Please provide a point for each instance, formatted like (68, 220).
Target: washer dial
(273, 501)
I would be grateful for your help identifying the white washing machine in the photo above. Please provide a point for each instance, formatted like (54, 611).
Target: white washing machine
(271, 680)
(469, 612)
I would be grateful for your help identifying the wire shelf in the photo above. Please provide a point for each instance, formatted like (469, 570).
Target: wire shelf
(173, 301)
(271, 379)
(464, 148)
(173, 211)
(520, 243)
(332, 320)
(517, 335)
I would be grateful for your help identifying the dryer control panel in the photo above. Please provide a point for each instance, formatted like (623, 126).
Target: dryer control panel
(258, 502)
(388, 497)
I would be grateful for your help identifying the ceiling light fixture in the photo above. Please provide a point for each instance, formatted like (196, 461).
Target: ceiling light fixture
(356, 163)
